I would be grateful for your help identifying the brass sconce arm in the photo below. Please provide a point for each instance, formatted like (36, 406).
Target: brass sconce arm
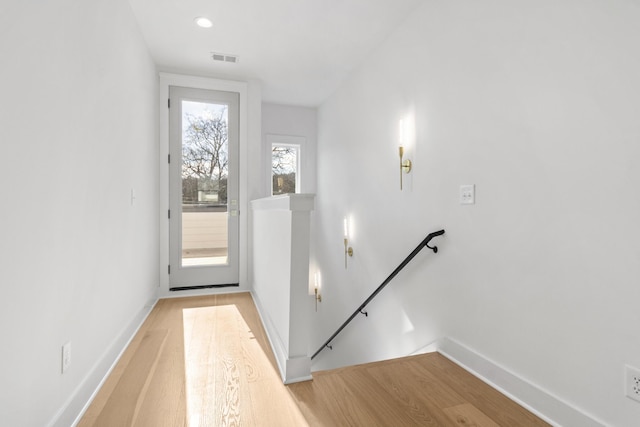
(348, 250)
(405, 164)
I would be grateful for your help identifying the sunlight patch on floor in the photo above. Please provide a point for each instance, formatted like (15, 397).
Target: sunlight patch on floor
(229, 377)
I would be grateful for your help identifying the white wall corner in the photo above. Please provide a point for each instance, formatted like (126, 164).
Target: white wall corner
(542, 403)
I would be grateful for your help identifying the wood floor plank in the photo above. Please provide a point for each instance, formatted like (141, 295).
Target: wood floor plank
(365, 396)
(475, 391)
(125, 400)
(279, 409)
(212, 367)
(199, 373)
(330, 402)
(429, 389)
(164, 404)
(467, 415)
(421, 395)
(230, 379)
(270, 401)
(231, 410)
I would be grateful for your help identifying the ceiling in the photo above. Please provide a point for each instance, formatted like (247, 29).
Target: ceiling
(300, 50)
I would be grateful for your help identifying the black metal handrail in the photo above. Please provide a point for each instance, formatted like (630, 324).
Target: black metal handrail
(359, 310)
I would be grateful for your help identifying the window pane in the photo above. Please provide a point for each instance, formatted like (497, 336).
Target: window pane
(284, 167)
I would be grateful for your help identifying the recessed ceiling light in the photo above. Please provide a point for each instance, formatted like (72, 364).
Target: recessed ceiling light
(203, 22)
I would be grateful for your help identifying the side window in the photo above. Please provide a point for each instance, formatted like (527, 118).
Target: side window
(285, 172)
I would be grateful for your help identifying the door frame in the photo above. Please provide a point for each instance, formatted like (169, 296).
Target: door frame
(166, 80)
(210, 275)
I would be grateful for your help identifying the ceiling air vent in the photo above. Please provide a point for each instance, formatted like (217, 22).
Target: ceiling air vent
(223, 57)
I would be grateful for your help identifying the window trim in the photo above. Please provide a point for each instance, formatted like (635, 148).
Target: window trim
(286, 141)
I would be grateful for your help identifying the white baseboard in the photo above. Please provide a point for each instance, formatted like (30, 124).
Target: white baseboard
(298, 370)
(292, 370)
(272, 335)
(77, 404)
(542, 403)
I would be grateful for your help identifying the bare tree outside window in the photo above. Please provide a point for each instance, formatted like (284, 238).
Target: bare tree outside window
(205, 158)
(284, 166)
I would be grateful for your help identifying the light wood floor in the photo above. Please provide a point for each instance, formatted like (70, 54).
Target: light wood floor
(205, 361)
(423, 390)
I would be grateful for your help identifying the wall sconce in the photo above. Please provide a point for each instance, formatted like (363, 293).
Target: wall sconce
(405, 164)
(348, 250)
(318, 296)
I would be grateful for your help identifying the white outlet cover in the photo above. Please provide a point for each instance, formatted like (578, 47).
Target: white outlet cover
(632, 382)
(467, 194)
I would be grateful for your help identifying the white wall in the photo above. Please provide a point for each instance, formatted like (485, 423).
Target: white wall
(537, 103)
(290, 121)
(79, 262)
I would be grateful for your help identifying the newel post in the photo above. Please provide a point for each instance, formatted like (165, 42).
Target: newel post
(281, 243)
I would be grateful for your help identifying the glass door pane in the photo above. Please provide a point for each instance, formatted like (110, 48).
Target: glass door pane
(205, 172)
(203, 188)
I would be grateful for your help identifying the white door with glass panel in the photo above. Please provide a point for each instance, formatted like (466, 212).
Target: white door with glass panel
(203, 188)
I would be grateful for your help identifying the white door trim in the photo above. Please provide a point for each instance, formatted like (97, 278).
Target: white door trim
(166, 80)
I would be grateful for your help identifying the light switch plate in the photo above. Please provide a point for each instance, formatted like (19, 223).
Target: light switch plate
(66, 357)
(467, 194)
